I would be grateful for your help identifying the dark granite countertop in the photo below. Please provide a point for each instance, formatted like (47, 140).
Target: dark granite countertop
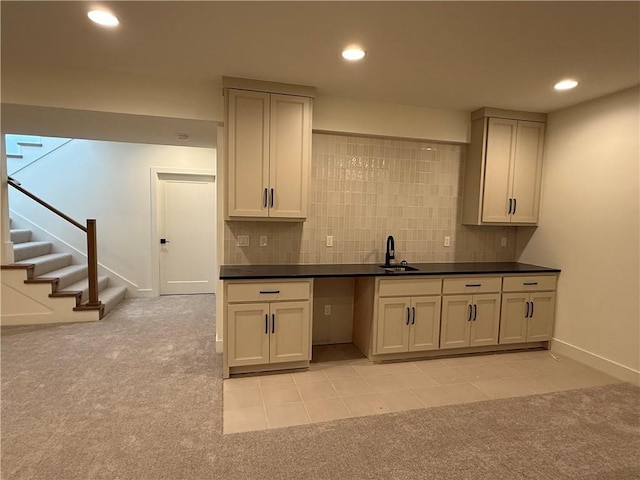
(246, 272)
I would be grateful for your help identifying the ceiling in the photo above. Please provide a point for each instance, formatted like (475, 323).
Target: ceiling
(454, 55)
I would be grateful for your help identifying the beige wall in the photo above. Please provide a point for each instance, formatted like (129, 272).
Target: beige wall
(363, 189)
(589, 228)
(332, 114)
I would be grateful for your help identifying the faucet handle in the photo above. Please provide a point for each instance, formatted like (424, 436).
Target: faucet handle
(403, 263)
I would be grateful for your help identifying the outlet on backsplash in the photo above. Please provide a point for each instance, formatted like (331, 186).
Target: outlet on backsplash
(263, 240)
(243, 241)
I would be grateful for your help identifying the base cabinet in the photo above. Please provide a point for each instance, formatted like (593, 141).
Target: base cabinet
(408, 315)
(470, 320)
(267, 323)
(527, 317)
(407, 324)
(268, 333)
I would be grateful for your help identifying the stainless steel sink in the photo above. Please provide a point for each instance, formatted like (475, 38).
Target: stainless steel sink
(398, 268)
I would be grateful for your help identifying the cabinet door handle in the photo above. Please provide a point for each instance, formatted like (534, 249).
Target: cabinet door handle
(269, 291)
(264, 200)
(470, 313)
(273, 323)
(515, 205)
(266, 324)
(408, 315)
(272, 198)
(510, 206)
(526, 309)
(475, 312)
(532, 305)
(413, 318)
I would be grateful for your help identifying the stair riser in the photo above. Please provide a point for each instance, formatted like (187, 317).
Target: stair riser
(52, 264)
(23, 251)
(20, 236)
(103, 282)
(111, 302)
(71, 278)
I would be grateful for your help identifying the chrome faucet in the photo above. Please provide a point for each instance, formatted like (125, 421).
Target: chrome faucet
(391, 250)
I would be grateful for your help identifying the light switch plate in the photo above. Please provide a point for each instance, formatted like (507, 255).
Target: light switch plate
(329, 240)
(243, 241)
(447, 241)
(503, 241)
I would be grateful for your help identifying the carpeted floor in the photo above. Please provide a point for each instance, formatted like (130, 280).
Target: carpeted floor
(139, 396)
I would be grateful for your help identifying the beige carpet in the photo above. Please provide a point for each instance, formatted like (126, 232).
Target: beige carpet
(139, 396)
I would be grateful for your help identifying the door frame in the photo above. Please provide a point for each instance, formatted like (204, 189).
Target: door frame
(156, 172)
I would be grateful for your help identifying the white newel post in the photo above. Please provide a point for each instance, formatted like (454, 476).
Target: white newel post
(6, 252)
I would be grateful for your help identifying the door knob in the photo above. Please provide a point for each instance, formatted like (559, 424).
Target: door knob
(163, 241)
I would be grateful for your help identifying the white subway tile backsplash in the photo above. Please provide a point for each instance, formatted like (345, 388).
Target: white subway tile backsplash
(363, 189)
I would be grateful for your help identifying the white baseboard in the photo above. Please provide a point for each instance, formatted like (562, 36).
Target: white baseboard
(596, 361)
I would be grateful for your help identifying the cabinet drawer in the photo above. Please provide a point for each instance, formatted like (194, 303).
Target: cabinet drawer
(401, 287)
(529, 283)
(268, 291)
(472, 285)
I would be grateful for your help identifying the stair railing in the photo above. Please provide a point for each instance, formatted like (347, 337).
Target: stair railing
(92, 244)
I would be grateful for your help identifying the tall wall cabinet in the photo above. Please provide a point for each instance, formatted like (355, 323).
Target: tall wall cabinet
(268, 145)
(503, 174)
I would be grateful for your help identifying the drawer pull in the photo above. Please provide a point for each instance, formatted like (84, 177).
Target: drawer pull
(473, 285)
(266, 323)
(529, 283)
(269, 291)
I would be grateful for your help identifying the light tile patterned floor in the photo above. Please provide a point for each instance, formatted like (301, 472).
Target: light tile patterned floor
(341, 384)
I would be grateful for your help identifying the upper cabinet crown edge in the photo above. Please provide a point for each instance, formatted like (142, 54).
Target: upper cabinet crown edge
(268, 87)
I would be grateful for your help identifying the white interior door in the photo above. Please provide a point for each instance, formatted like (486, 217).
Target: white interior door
(186, 227)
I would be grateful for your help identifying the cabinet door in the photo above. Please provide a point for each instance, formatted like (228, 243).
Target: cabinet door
(248, 153)
(456, 321)
(540, 321)
(527, 171)
(290, 326)
(289, 155)
(498, 173)
(486, 320)
(248, 334)
(513, 324)
(424, 331)
(392, 325)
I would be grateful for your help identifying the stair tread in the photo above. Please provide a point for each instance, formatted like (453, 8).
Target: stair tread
(42, 258)
(83, 284)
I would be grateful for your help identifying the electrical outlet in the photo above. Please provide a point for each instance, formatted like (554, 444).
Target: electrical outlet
(447, 241)
(263, 240)
(243, 241)
(503, 241)
(329, 240)
(327, 309)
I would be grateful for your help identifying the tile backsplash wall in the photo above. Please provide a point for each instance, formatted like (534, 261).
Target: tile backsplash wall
(362, 190)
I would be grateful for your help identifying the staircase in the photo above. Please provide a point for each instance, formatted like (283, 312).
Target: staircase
(36, 266)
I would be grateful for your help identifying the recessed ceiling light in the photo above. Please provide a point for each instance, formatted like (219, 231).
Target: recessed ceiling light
(104, 18)
(566, 84)
(353, 54)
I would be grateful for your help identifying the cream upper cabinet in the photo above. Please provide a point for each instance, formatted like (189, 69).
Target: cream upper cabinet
(407, 323)
(269, 154)
(528, 307)
(504, 168)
